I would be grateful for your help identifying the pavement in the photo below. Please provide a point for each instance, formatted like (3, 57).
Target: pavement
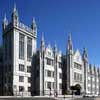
(46, 98)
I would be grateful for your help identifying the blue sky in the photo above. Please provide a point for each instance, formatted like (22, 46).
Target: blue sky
(58, 17)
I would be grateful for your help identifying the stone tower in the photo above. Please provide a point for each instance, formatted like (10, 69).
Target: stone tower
(85, 64)
(69, 55)
(42, 61)
(19, 44)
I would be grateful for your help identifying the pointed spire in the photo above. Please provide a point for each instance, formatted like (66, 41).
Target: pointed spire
(42, 42)
(69, 37)
(55, 47)
(49, 46)
(5, 18)
(14, 10)
(70, 46)
(33, 26)
(85, 58)
(33, 21)
(42, 37)
(5, 21)
(84, 52)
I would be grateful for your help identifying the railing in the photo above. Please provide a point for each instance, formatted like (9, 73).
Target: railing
(22, 26)
(26, 28)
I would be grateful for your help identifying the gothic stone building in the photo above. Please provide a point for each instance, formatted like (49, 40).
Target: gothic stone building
(27, 71)
(19, 44)
(47, 77)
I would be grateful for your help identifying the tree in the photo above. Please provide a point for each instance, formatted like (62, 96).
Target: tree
(78, 88)
(72, 87)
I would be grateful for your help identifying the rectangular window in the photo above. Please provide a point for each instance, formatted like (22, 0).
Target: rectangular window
(59, 65)
(21, 78)
(29, 49)
(29, 89)
(29, 80)
(78, 66)
(48, 61)
(80, 77)
(49, 73)
(48, 85)
(74, 76)
(21, 46)
(49, 53)
(60, 75)
(21, 67)
(21, 88)
(29, 69)
(53, 85)
(53, 74)
(60, 86)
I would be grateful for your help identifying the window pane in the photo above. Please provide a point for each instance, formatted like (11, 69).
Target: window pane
(60, 75)
(49, 73)
(21, 88)
(21, 67)
(60, 86)
(21, 46)
(49, 85)
(29, 80)
(29, 89)
(21, 78)
(28, 69)
(29, 48)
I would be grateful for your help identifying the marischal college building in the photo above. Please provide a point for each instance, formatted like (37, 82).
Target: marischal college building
(26, 71)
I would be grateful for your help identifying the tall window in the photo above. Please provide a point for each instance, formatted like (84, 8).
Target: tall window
(29, 80)
(78, 66)
(21, 46)
(59, 65)
(53, 74)
(29, 89)
(21, 67)
(60, 86)
(60, 75)
(28, 69)
(74, 75)
(80, 77)
(49, 73)
(48, 61)
(48, 85)
(29, 48)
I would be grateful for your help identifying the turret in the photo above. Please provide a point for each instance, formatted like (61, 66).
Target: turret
(42, 44)
(70, 45)
(84, 56)
(5, 23)
(87, 68)
(15, 16)
(55, 49)
(34, 26)
(69, 66)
